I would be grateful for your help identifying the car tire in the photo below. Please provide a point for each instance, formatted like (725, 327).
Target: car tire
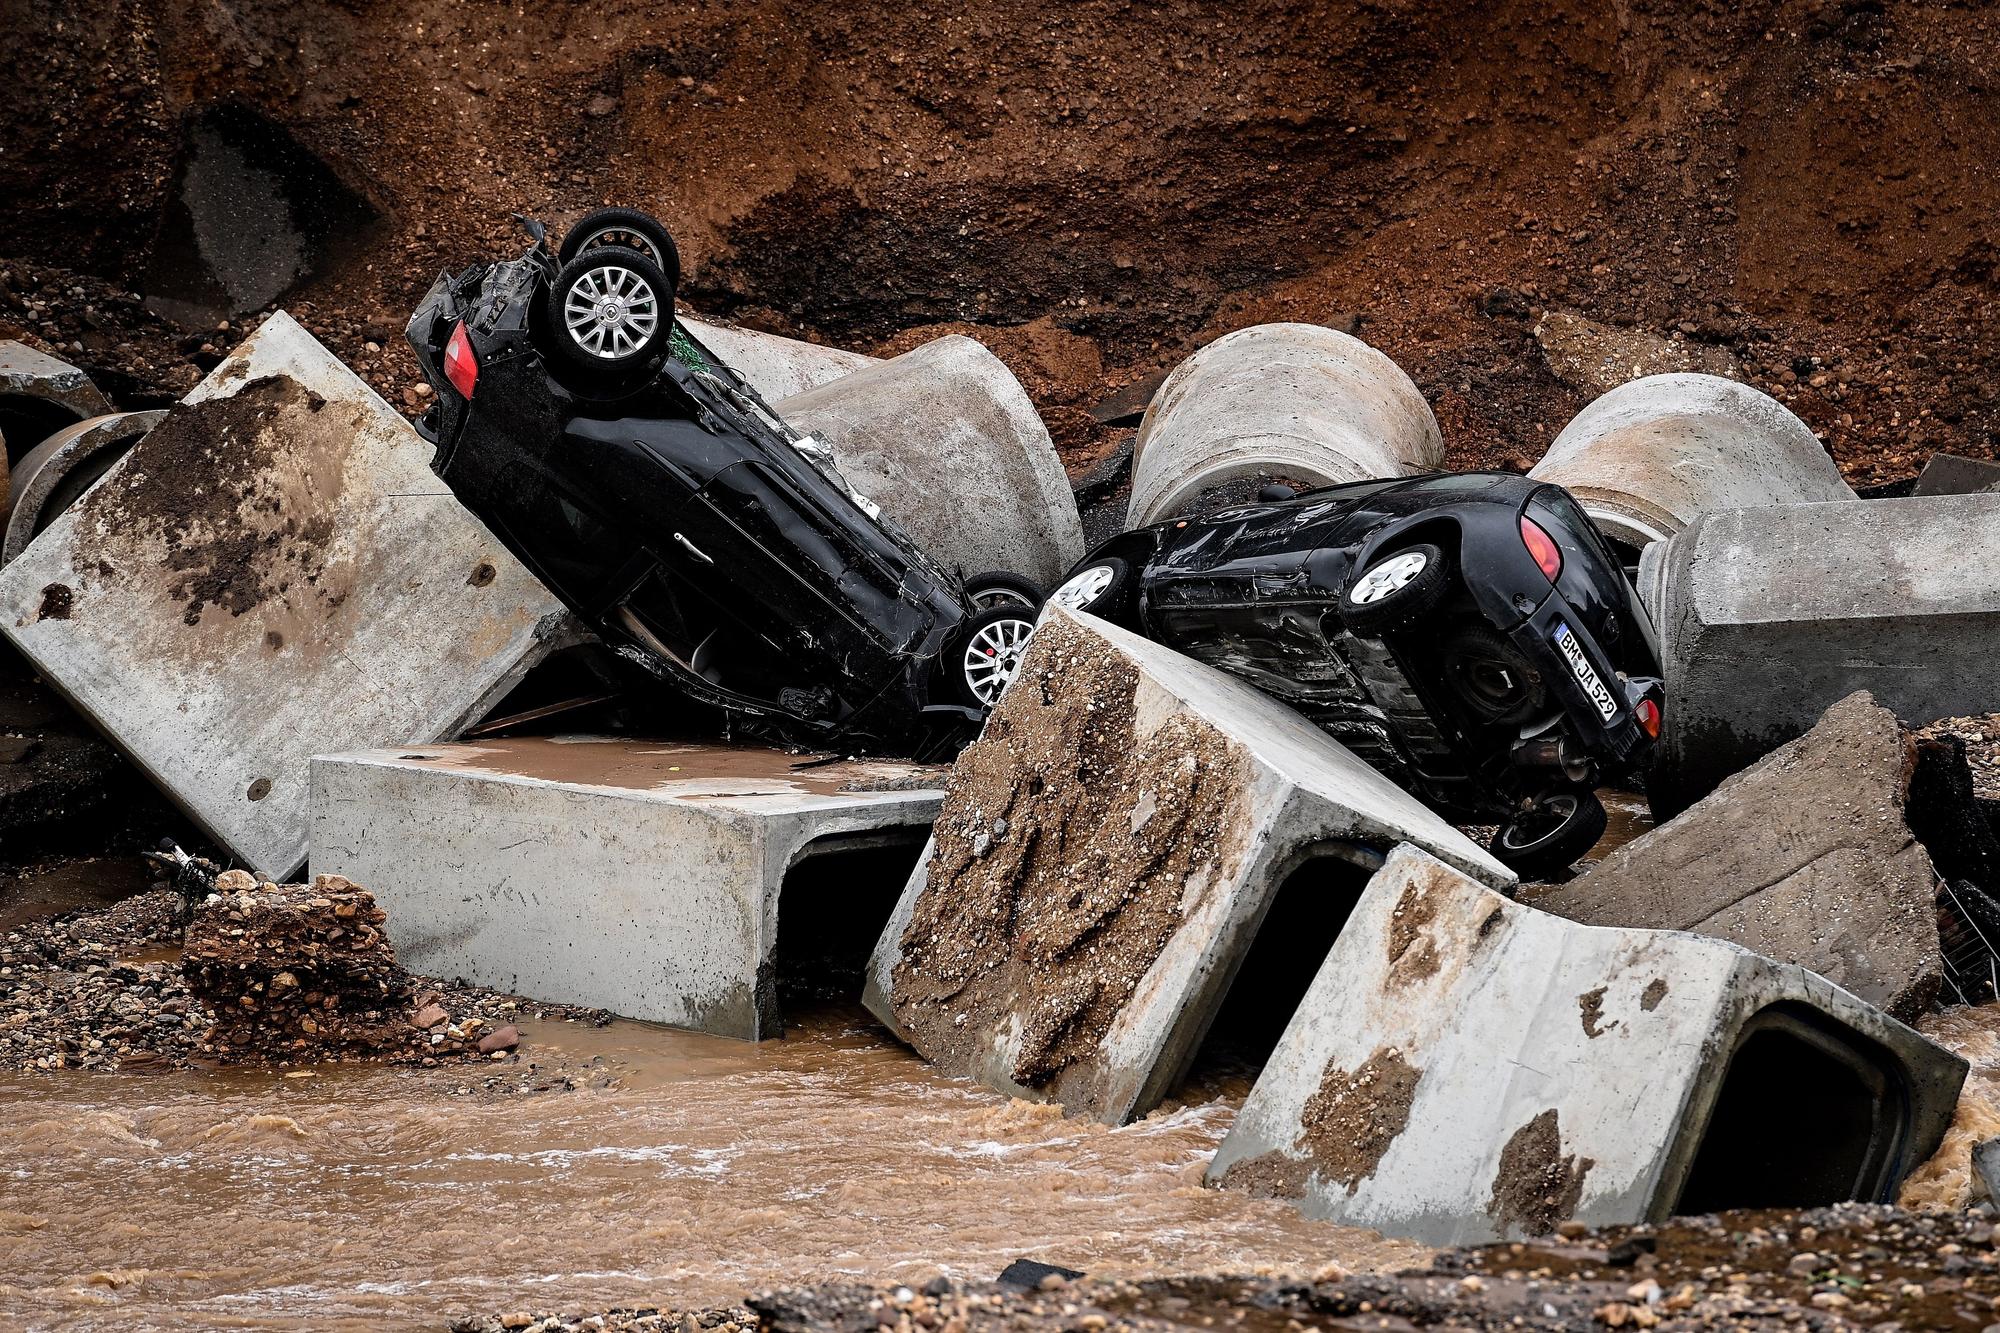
(1550, 838)
(998, 587)
(1492, 679)
(626, 227)
(625, 281)
(986, 652)
(1102, 588)
(1397, 588)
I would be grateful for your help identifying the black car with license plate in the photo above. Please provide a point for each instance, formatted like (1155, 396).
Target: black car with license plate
(658, 496)
(1470, 635)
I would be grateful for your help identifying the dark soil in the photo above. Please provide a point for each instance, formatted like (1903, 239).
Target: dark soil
(1800, 183)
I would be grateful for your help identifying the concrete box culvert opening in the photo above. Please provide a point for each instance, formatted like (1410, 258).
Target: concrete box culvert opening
(1848, 1137)
(836, 897)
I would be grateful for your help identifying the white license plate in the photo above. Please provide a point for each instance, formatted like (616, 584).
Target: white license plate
(1586, 675)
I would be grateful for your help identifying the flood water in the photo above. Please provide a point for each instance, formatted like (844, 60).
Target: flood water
(359, 1196)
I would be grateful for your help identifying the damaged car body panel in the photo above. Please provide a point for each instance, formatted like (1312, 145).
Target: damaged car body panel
(687, 525)
(1509, 682)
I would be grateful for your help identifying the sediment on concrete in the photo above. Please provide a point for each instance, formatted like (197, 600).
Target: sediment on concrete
(1102, 864)
(1467, 1068)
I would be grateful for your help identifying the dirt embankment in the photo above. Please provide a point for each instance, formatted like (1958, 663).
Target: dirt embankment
(1098, 188)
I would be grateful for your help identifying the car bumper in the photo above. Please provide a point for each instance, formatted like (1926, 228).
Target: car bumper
(1602, 703)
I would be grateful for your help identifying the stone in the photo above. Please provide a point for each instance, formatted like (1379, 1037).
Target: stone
(1595, 358)
(273, 572)
(646, 878)
(1156, 810)
(1805, 857)
(429, 1017)
(1294, 401)
(946, 441)
(1766, 617)
(1651, 456)
(1466, 1068)
(500, 1039)
(1948, 474)
(776, 367)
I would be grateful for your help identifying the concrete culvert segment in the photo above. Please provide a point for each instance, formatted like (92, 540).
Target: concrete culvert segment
(55, 473)
(777, 367)
(1297, 401)
(40, 395)
(1650, 456)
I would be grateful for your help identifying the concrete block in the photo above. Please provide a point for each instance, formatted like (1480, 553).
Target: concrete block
(272, 573)
(1108, 852)
(1805, 857)
(40, 395)
(1648, 457)
(1948, 474)
(639, 877)
(55, 473)
(776, 367)
(1466, 1069)
(1767, 617)
(945, 440)
(1290, 400)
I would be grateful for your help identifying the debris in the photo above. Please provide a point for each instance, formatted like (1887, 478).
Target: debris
(1766, 617)
(1646, 459)
(1103, 860)
(1595, 358)
(646, 878)
(55, 473)
(1806, 857)
(1030, 1274)
(1948, 474)
(945, 440)
(272, 574)
(1439, 1083)
(1278, 400)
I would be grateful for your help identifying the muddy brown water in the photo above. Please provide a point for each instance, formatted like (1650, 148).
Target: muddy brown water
(715, 1167)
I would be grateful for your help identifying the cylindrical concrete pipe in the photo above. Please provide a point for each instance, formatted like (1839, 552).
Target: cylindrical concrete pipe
(946, 441)
(1290, 400)
(52, 475)
(776, 367)
(1647, 457)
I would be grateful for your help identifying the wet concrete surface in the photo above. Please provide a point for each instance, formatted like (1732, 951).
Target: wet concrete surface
(680, 1169)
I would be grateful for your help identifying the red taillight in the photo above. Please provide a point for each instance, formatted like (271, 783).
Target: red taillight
(1543, 547)
(1649, 718)
(461, 367)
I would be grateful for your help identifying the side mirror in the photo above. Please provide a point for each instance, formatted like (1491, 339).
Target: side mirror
(1275, 491)
(536, 230)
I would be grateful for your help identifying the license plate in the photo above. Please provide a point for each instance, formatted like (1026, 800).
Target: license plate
(1586, 675)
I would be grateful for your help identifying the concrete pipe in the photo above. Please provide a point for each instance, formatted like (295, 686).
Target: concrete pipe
(1648, 457)
(1290, 400)
(40, 395)
(945, 440)
(776, 367)
(55, 473)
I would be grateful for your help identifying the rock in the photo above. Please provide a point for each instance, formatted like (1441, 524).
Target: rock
(1806, 857)
(1594, 358)
(429, 1016)
(502, 1039)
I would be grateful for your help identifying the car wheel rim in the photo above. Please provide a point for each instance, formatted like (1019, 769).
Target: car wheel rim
(1085, 588)
(1388, 578)
(623, 237)
(611, 311)
(993, 656)
(1540, 823)
(985, 599)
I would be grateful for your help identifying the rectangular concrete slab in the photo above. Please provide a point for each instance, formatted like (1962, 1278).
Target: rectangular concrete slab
(273, 573)
(639, 877)
(1766, 617)
(1097, 876)
(1466, 1068)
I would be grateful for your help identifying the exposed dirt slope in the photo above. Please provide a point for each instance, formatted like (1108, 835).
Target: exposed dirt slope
(1792, 180)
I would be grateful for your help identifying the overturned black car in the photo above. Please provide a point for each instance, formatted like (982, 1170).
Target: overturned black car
(656, 494)
(1469, 635)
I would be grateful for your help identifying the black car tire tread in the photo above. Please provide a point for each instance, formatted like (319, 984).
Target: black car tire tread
(1407, 603)
(625, 219)
(1114, 603)
(606, 370)
(1556, 850)
(998, 579)
(1479, 641)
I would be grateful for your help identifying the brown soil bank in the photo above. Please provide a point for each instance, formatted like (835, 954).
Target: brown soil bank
(1804, 184)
